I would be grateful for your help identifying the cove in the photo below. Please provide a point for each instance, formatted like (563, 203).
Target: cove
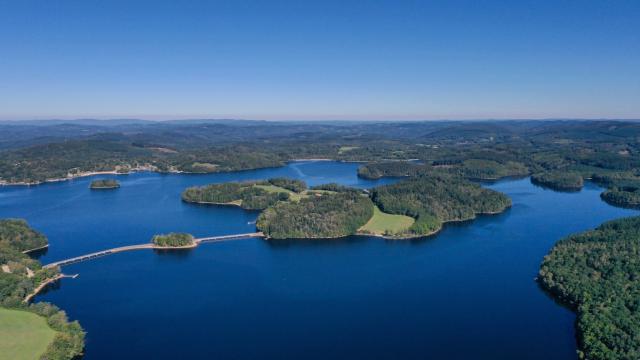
(466, 293)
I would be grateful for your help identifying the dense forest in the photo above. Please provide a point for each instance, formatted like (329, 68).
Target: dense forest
(340, 211)
(256, 195)
(17, 234)
(559, 180)
(598, 273)
(487, 169)
(20, 275)
(483, 150)
(437, 198)
(173, 240)
(104, 184)
(321, 216)
(475, 150)
(623, 196)
(377, 170)
(623, 188)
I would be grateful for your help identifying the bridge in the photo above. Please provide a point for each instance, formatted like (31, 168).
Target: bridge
(196, 242)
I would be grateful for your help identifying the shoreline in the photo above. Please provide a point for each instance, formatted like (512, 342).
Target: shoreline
(154, 169)
(36, 249)
(400, 237)
(44, 284)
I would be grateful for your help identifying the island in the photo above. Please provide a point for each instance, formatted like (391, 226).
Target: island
(104, 184)
(173, 240)
(50, 334)
(597, 273)
(415, 207)
(251, 195)
(559, 180)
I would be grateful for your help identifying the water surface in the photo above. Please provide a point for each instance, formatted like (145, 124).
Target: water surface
(466, 293)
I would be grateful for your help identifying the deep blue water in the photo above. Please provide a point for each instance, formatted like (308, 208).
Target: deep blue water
(467, 293)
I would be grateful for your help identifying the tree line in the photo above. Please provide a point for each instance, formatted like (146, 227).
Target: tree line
(320, 216)
(598, 274)
(437, 198)
(17, 236)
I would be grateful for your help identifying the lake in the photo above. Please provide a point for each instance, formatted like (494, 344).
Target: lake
(468, 292)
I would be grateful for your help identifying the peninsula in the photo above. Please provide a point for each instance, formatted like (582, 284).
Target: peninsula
(559, 180)
(597, 273)
(45, 331)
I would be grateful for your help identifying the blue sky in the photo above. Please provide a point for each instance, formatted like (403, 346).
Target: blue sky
(319, 60)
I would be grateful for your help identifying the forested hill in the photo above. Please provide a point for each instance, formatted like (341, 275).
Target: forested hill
(325, 215)
(474, 150)
(598, 273)
(434, 199)
(17, 234)
(332, 211)
(20, 275)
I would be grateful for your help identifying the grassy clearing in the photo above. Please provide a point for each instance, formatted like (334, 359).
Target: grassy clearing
(293, 196)
(386, 224)
(23, 335)
(344, 149)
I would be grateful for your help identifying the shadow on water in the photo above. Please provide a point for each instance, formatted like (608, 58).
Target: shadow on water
(291, 243)
(175, 253)
(552, 188)
(51, 287)
(37, 254)
(359, 239)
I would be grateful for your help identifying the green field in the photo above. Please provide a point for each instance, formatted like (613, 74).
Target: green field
(344, 149)
(386, 224)
(23, 335)
(294, 196)
(277, 189)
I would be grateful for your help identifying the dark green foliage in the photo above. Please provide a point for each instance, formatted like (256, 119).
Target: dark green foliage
(247, 195)
(475, 150)
(173, 239)
(490, 170)
(628, 196)
(598, 273)
(69, 342)
(104, 184)
(623, 188)
(559, 180)
(215, 193)
(323, 216)
(438, 198)
(16, 234)
(289, 184)
(15, 237)
(334, 187)
(62, 160)
(389, 169)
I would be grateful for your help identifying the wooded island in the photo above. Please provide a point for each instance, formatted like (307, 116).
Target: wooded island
(104, 184)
